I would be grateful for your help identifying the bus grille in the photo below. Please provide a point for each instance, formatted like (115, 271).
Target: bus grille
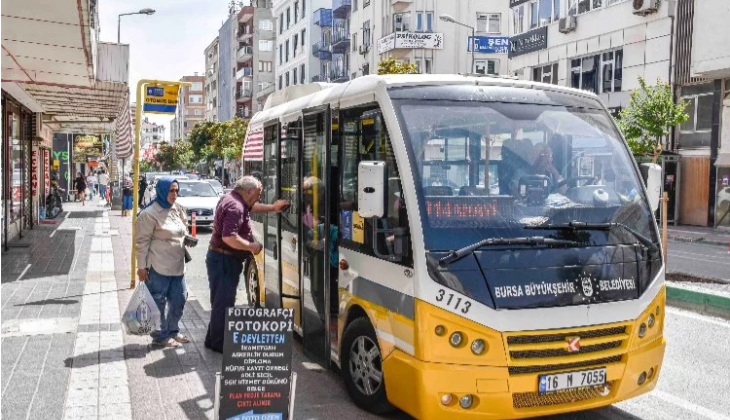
(516, 370)
(533, 399)
(529, 354)
(547, 338)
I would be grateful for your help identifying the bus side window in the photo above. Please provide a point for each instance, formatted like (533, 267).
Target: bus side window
(365, 137)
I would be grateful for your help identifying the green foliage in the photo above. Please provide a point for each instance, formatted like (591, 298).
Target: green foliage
(214, 140)
(650, 116)
(145, 166)
(177, 156)
(389, 65)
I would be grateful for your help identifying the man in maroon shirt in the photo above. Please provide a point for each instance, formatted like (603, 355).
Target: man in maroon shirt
(231, 244)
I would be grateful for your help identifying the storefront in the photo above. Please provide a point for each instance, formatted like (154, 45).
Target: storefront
(722, 163)
(17, 212)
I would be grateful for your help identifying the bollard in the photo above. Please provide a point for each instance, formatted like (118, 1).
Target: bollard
(192, 228)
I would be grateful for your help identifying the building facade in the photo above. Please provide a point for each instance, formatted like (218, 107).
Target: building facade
(702, 80)
(211, 81)
(190, 107)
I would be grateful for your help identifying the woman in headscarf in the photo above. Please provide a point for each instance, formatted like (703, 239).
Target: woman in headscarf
(127, 195)
(160, 238)
(80, 185)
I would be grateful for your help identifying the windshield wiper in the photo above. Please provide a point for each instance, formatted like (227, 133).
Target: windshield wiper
(531, 240)
(574, 225)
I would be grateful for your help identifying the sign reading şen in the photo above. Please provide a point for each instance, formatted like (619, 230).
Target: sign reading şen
(160, 99)
(411, 40)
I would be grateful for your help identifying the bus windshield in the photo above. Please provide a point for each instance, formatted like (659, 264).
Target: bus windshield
(499, 169)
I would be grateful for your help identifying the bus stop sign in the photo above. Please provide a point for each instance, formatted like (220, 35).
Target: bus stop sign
(160, 99)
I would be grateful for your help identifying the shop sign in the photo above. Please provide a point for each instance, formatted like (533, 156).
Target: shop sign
(34, 172)
(488, 44)
(411, 40)
(257, 357)
(47, 170)
(86, 146)
(528, 42)
(161, 99)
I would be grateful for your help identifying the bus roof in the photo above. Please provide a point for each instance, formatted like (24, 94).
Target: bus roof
(293, 99)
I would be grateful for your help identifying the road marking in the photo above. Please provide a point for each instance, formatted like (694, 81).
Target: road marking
(722, 255)
(705, 412)
(698, 259)
(23, 273)
(718, 322)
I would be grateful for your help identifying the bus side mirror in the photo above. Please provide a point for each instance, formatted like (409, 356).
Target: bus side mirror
(372, 183)
(652, 174)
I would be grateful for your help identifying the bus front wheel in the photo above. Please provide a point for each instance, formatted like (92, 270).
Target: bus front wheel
(362, 367)
(252, 284)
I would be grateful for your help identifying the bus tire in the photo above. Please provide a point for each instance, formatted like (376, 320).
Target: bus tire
(252, 284)
(362, 365)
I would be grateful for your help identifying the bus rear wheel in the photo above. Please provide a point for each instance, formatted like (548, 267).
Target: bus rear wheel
(252, 284)
(362, 367)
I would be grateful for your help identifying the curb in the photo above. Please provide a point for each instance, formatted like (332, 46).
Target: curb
(696, 240)
(703, 302)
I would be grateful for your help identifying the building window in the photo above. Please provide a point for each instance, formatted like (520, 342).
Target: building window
(518, 16)
(354, 42)
(294, 76)
(365, 3)
(488, 23)
(286, 52)
(429, 66)
(266, 25)
(304, 7)
(546, 74)
(302, 79)
(196, 99)
(366, 33)
(288, 17)
(295, 45)
(198, 112)
(281, 78)
(281, 23)
(598, 73)
(304, 32)
(266, 45)
(296, 11)
(424, 21)
(286, 79)
(281, 54)
(354, 5)
(401, 22)
(486, 67)
(266, 66)
(697, 130)
(197, 87)
(366, 69)
(584, 6)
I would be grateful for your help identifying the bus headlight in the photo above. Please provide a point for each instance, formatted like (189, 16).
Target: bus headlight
(466, 401)
(651, 320)
(456, 339)
(440, 330)
(478, 346)
(642, 330)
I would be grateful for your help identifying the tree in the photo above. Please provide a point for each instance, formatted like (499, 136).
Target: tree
(201, 137)
(650, 116)
(388, 65)
(177, 156)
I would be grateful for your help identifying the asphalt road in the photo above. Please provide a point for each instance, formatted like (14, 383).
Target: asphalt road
(703, 260)
(694, 382)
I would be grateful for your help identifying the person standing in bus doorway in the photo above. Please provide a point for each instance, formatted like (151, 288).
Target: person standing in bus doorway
(231, 244)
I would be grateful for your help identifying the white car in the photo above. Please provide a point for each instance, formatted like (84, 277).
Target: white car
(150, 194)
(216, 185)
(198, 197)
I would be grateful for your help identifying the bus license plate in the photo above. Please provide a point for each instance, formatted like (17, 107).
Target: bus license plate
(569, 380)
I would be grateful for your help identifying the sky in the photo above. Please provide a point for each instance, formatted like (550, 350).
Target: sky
(167, 45)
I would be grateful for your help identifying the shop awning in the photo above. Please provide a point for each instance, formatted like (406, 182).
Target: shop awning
(723, 160)
(123, 131)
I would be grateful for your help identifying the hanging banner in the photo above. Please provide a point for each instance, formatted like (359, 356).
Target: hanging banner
(160, 99)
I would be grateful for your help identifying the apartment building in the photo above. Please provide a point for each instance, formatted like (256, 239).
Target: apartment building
(211, 81)
(295, 58)
(151, 133)
(190, 107)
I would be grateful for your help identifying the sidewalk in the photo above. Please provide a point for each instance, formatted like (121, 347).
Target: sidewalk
(64, 352)
(714, 236)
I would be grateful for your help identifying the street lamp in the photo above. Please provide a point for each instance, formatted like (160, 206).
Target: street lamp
(448, 18)
(146, 11)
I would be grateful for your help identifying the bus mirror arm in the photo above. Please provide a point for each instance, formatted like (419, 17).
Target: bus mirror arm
(400, 239)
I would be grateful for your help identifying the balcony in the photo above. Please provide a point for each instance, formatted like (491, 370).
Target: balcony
(340, 38)
(341, 8)
(322, 17)
(244, 113)
(400, 2)
(245, 14)
(243, 95)
(244, 35)
(339, 75)
(244, 72)
(321, 50)
(268, 90)
(244, 54)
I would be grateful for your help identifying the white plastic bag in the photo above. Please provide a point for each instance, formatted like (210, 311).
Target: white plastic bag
(142, 315)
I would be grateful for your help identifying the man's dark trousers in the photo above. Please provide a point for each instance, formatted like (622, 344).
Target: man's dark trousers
(224, 272)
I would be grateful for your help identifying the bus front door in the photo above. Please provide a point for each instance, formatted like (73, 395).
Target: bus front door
(289, 186)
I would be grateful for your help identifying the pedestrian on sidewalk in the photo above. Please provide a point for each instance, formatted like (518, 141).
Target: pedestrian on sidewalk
(91, 182)
(80, 185)
(231, 244)
(103, 183)
(160, 239)
(128, 195)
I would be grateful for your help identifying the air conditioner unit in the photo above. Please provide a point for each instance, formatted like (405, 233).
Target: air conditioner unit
(645, 7)
(567, 24)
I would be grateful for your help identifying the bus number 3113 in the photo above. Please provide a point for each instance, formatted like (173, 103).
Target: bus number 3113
(453, 301)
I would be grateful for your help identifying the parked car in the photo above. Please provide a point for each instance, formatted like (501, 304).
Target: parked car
(199, 197)
(150, 194)
(217, 186)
